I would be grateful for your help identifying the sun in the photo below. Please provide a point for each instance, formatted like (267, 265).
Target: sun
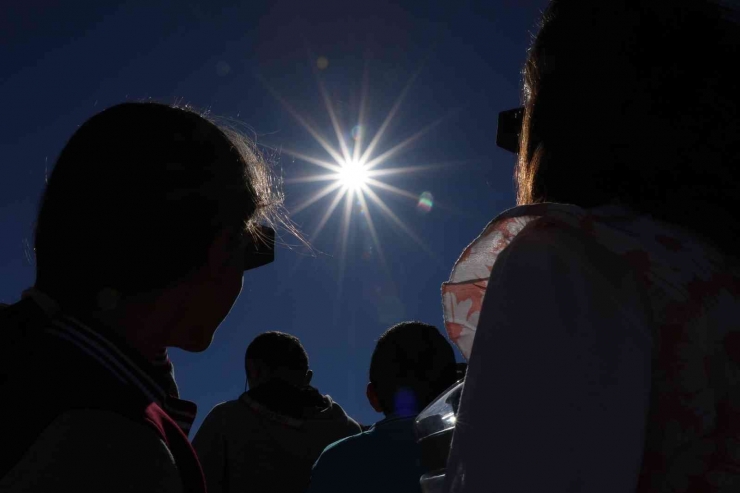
(352, 175)
(353, 171)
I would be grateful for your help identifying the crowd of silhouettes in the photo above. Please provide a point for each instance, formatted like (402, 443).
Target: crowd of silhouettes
(111, 403)
(606, 351)
(271, 437)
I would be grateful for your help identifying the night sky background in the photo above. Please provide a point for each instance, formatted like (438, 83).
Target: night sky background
(61, 62)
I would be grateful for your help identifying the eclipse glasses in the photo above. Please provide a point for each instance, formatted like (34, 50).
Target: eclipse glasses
(509, 129)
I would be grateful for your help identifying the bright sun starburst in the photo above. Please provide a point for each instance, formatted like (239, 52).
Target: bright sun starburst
(354, 168)
(352, 175)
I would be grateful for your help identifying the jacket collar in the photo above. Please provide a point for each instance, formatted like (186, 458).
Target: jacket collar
(153, 379)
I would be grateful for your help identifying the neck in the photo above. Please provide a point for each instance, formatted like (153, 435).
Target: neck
(403, 413)
(137, 324)
(139, 329)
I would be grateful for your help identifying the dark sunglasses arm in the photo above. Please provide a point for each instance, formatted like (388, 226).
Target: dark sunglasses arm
(509, 129)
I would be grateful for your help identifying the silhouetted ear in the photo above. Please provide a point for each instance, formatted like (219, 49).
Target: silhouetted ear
(309, 376)
(372, 397)
(253, 374)
(252, 371)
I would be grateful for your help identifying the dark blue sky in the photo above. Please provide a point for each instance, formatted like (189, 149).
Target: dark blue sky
(64, 61)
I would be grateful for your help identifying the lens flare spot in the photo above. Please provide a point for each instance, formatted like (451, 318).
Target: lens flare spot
(322, 62)
(356, 132)
(426, 202)
(405, 403)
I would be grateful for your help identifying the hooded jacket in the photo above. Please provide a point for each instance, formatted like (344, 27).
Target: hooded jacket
(268, 439)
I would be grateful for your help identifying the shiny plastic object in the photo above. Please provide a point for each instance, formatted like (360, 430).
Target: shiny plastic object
(433, 482)
(434, 427)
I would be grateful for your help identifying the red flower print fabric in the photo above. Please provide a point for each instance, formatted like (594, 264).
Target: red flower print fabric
(693, 434)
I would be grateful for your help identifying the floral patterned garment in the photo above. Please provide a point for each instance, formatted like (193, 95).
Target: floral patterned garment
(692, 439)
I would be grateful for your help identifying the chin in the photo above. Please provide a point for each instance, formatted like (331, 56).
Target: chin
(195, 344)
(199, 324)
(199, 348)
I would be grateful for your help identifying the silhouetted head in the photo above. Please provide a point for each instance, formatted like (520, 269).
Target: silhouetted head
(149, 201)
(411, 365)
(276, 356)
(636, 102)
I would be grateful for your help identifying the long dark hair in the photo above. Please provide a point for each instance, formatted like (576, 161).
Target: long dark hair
(636, 102)
(137, 196)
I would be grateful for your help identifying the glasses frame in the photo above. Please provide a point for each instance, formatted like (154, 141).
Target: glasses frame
(509, 129)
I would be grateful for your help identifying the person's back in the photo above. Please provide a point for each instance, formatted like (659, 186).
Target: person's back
(411, 365)
(384, 458)
(604, 347)
(268, 438)
(651, 382)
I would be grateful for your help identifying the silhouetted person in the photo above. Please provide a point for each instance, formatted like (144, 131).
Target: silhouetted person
(140, 245)
(411, 365)
(606, 351)
(268, 439)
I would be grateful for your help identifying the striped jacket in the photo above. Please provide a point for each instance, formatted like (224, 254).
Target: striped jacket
(83, 412)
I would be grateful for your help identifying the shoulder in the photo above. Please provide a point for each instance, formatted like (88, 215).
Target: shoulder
(224, 418)
(547, 243)
(94, 450)
(551, 232)
(340, 463)
(554, 259)
(227, 409)
(335, 410)
(223, 414)
(548, 233)
(582, 291)
(347, 446)
(340, 417)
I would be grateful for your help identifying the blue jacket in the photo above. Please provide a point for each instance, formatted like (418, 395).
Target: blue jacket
(385, 458)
